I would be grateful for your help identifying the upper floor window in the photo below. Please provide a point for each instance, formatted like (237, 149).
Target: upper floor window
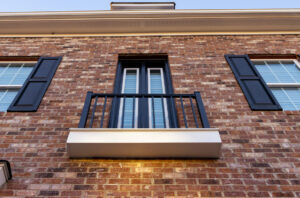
(143, 76)
(24, 81)
(12, 78)
(283, 78)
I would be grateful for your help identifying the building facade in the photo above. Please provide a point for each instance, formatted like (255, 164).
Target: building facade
(48, 71)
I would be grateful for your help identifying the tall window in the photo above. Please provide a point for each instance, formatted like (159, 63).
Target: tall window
(158, 114)
(12, 78)
(142, 76)
(283, 78)
(128, 112)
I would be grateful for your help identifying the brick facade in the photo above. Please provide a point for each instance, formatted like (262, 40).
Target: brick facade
(260, 151)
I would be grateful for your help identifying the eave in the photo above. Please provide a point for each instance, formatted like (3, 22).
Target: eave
(257, 21)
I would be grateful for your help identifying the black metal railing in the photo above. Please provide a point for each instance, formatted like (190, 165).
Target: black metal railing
(186, 110)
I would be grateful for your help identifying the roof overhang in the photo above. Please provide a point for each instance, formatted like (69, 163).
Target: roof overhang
(151, 22)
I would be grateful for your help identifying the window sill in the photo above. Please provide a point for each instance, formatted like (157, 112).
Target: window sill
(144, 143)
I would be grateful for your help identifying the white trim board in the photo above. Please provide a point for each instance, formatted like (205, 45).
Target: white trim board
(144, 143)
(162, 21)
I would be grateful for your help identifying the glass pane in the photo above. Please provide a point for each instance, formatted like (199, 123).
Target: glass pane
(128, 113)
(265, 72)
(158, 121)
(156, 87)
(155, 81)
(130, 86)
(6, 78)
(19, 79)
(293, 70)
(130, 81)
(287, 97)
(280, 72)
(6, 97)
(2, 67)
(14, 73)
(294, 95)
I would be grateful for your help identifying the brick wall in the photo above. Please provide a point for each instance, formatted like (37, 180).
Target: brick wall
(260, 153)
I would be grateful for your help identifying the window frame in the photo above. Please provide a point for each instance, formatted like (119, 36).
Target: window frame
(279, 85)
(19, 86)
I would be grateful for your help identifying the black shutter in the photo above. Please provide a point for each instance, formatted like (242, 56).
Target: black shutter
(31, 94)
(256, 91)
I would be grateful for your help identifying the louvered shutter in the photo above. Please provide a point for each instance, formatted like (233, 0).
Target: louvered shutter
(31, 94)
(257, 93)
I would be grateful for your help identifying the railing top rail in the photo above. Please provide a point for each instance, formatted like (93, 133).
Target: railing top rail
(111, 95)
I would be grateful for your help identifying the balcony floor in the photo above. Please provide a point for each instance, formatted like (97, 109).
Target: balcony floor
(144, 143)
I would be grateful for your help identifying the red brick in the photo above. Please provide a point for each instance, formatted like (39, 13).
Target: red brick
(259, 156)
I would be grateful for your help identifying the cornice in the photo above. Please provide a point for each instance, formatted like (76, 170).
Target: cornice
(151, 22)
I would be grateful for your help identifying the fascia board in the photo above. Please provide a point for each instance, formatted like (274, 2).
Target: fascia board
(97, 22)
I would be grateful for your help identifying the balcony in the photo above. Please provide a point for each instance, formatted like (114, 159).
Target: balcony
(144, 126)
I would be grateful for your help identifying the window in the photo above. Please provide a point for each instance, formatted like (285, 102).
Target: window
(143, 76)
(256, 91)
(283, 78)
(24, 82)
(12, 78)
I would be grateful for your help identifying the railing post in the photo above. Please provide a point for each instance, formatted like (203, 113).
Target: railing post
(201, 109)
(85, 110)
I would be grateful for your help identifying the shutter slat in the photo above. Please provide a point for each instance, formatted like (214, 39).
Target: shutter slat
(257, 93)
(32, 92)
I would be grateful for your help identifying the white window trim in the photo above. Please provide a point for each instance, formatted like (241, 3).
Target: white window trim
(122, 99)
(164, 100)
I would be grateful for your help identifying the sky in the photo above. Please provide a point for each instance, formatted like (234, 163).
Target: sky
(71, 5)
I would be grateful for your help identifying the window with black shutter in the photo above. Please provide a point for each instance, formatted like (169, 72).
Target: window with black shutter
(256, 91)
(29, 94)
